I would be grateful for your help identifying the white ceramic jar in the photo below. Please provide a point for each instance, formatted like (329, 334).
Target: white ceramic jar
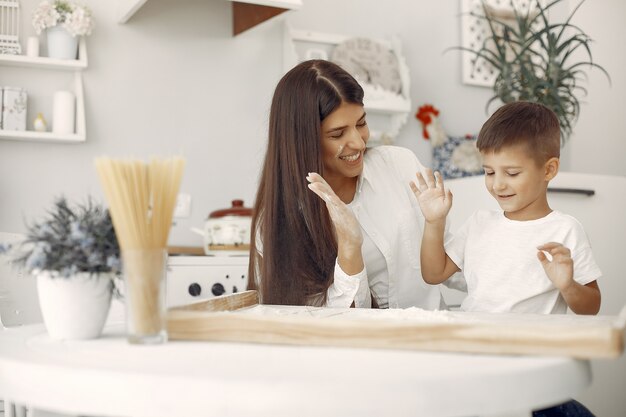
(227, 231)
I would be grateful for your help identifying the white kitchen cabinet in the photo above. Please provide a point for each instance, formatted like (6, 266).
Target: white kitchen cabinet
(43, 65)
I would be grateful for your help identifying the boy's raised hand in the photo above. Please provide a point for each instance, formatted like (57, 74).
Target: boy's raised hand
(435, 202)
(561, 269)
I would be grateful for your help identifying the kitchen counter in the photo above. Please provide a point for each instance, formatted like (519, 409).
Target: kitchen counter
(109, 377)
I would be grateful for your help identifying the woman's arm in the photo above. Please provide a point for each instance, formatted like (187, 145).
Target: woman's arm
(350, 278)
(349, 290)
(347, 228)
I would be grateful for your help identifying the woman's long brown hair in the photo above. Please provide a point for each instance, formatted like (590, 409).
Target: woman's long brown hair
(298, 242)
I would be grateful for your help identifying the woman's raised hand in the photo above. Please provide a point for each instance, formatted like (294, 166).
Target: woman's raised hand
(347, 228)
(435, 202)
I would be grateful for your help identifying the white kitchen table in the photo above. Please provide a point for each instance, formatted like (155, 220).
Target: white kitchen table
(109, 377)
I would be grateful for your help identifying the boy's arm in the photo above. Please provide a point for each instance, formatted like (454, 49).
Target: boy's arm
(435, 203)
(436, 265)
(581, 299)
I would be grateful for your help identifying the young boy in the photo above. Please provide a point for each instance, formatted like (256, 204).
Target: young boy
(503, 253)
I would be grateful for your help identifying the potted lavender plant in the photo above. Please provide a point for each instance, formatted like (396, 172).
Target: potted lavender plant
(74, 255)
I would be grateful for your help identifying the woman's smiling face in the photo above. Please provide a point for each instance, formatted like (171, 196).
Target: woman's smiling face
(344, 136)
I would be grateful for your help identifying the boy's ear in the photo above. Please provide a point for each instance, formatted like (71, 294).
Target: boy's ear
(552, 168)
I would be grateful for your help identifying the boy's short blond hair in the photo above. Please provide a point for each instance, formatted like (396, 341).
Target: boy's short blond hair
(522, 122)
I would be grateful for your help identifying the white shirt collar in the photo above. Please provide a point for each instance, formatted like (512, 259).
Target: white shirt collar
(366, 175)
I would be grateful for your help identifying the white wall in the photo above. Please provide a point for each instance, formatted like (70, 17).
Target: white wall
(599, 141)
(426, 29)
(174, 80)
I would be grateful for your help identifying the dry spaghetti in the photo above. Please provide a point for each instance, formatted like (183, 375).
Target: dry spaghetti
(141, 198)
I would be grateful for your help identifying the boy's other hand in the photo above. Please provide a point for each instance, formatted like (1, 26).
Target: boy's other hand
(435, 202)
(560, 269)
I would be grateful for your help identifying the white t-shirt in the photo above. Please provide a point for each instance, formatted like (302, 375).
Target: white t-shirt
(392, 226)
(498, 257)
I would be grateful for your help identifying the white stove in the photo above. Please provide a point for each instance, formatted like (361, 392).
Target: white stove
(195, 278)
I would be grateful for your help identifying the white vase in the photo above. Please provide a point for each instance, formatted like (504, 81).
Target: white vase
(61, 44)
(74, 307)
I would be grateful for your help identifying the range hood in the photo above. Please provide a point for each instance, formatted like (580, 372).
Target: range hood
(246, 14)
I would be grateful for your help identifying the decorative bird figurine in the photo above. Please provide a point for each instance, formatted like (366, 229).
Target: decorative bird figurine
(431, 126)
(39, 124)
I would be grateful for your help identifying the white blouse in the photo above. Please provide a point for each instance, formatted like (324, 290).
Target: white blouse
(392, 221)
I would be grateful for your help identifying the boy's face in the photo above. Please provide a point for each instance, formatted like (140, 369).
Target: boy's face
(517, 183)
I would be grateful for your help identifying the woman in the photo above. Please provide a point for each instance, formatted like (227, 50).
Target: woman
(354, 240)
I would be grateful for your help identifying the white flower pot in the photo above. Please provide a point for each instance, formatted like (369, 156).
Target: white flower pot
(74, 307)
(61, 44)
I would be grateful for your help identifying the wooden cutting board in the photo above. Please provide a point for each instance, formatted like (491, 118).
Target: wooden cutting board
(239, 318)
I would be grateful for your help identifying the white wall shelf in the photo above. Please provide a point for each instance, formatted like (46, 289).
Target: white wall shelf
(43, 62)
(127, 8)
(46, 64)
(300, 45)
(40, 136)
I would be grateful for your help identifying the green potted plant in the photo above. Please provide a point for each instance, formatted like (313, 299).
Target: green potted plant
(535, 59)
(74, 254)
